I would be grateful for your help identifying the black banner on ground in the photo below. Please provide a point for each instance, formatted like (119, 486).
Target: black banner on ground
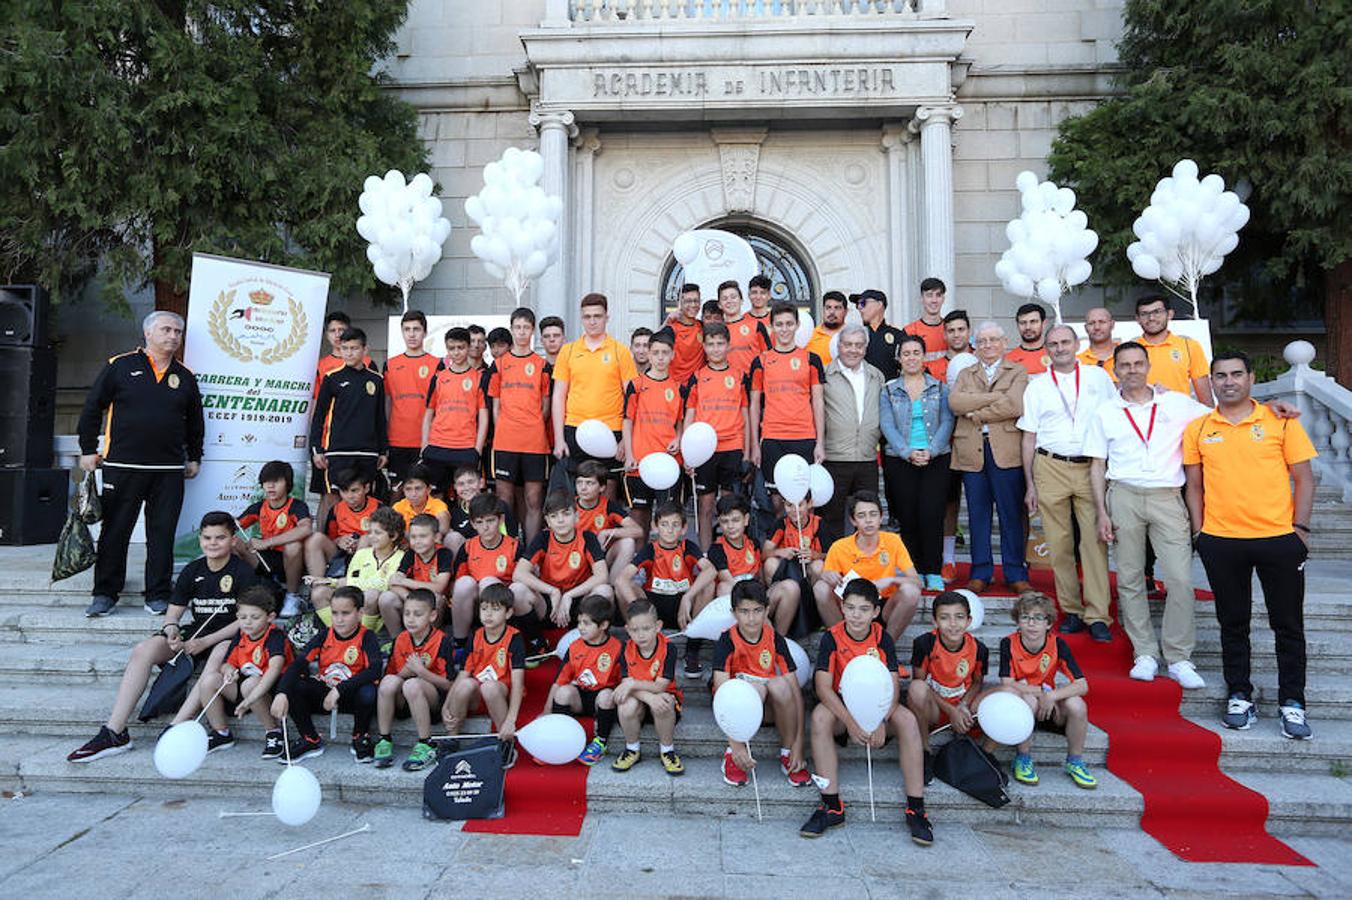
(466, 782)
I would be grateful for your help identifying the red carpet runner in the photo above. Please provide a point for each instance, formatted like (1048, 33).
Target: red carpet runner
(1191, 807)
(550, 800)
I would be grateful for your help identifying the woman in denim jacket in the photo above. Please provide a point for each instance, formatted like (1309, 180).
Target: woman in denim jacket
(918, 425)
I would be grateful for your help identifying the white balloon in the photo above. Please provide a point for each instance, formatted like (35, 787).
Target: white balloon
(1004, 268)
(372, 184)
(1086, 242)
(1134, 250)
(374, 254)
(1078, 220)
(975, 607)
(1049, 290)
(1185, 170)
(868, 690)
(1146, 266)
(553, 739)
(805, 328)
(1016, 230)
(659, 471)
(685, 248)
(441, 229)
(698, 443)
(1005, 718)
(1227, 244)
(180, 751)
(1211, 264)
(738, 710)
(1171, 269)
(1032, 201)
(296, 796)
(535, 263)
(1213, 184)
(474, 208)
(1020, 285)
(422, 184)
(821, 484)
(394, 180)
(713, 620)
(791, 477)
(1238, 219)
(386, 273)
(367, 203)
(802, 666)
(596, 439)
(1026, 181)
(561, 651)
(1065, 200)
(1078, 272)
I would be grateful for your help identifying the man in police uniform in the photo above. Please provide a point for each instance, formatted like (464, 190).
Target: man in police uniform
(151, 441)
(882, 340)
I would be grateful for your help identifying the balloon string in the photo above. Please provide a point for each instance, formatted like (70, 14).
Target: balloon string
(366, 827)
(868, 755)
(286, 743)
(195, 635)
(211, 701)
(755, 786)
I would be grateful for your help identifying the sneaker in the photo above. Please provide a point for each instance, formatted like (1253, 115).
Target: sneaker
(1025, 772)
(1071, 624)
(822, 819)
(694, 670)
(384, 754)
(1144, 668)
(949, 572)
(218, 741)
(626, 760)
(922, 832)
(929, 768)
(801, 778)
(303, 748)
(156, 608)
(1240, 713)
(363, 751)
(1079, 773)
(100, 606)
(272, 745)
(934, 583)
(672, 764)
(106, 743)
(733, 774)
(1100, 632)
(1294, 726)
(420, 757)
(593, 752)
(290, 606)
(1185, 673)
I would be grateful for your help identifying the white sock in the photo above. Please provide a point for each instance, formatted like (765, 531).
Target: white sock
(950, 548)
(666, 748)
(633, 746)
(784, 751)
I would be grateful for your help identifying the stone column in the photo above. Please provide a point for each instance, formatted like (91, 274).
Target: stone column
(586, 147)
(556, 129)
(901, 280)
(935, 125)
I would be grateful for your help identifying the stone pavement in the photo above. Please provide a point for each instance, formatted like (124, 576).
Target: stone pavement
(123, 847)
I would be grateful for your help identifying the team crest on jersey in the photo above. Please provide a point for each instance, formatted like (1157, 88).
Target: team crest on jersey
(1257, 431)
(530, 369)
(227, 583)
(425, 658)
(501, 564)
(422, 371)
(888, 337)
(1045, 662)
(599, 520)
(502, 656)
(603, 662)
(675, 564)
(281, 520)
(795, 364)
(653, 670)
(728, 382)
(963, 668)
(173, 380)
(605, 358)
(669, 395)
(574, 559)
(882, 557)
(873, 652)
(365, 523)
(257, 656)
(350, 655)
(765, 659)
(1045, 360)
(467, 384)
(750, 555)
(745, 330)
(1176, 356)
(371, 388)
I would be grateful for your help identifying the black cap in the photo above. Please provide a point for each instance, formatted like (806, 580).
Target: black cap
(873, 294)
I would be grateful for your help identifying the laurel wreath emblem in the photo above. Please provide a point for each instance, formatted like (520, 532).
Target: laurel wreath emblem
(220, 332)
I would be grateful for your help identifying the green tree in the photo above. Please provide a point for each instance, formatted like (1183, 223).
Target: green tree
(1255, 90)
(135, 132)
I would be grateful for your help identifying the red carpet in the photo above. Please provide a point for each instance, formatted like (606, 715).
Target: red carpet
(550, 800)
(1191, 807)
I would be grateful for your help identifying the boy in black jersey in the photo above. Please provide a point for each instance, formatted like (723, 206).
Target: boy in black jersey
(347, 428)
(207, 587)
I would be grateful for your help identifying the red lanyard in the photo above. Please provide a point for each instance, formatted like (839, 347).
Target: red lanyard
(1069, 411)
(1150, 429)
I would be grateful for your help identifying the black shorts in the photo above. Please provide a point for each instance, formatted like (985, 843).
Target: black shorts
(668, 605)
(588, 699)
(648, 713)
(722, 472)
(575, 455)
(400, 460)
(365, 466)
(273, 560)
(519, 468)
(773, 450)
(442, 462)
(792, 570)
(641, 496)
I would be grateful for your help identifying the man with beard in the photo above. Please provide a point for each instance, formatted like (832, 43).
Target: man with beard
(1176, 362)
(1032, 351)
(833, 317)
(1098, 325)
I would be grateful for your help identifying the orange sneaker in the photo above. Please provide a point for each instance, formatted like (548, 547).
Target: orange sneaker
(949, 572)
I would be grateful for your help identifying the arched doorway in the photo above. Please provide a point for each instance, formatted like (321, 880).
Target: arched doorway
(789, 274)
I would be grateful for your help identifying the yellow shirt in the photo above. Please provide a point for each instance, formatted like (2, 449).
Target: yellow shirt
(1087, 357)
(1175, 362)
(820, 343)
(596, 380)
(433, 507)
(886, 560)
(366, 572)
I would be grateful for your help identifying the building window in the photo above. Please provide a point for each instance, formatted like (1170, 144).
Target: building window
(788, 274)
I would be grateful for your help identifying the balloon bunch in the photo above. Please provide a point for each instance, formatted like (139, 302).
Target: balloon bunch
(403, 224)
(1048, 244)
(1186, 231)
(518, 221)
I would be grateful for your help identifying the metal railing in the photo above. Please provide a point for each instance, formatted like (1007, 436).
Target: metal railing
(641, 11)
(1325, 411)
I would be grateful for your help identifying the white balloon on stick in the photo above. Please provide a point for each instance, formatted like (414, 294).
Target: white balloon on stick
(404, 228)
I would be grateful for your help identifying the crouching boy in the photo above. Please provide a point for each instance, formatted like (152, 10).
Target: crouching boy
(648, 690)
(591, 671)
(417, 678)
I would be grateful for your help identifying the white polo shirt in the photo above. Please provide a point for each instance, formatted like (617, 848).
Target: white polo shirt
(1137, 453)
(1059, 407)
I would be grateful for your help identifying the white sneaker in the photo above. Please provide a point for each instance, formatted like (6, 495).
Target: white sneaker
(1145, 668)
(290, 606)
(1185, 673)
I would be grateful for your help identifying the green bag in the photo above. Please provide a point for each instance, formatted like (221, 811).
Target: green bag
(75, 549)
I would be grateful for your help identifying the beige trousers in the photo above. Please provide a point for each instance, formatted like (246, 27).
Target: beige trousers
(1157, 514)
(1061, 487)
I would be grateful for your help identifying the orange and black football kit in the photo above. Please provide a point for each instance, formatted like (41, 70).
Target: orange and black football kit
(759, 660)
(660, 664)
(251, 657)
(272, 521)
(564, 564)
(352, 665)
(494, 660)
(668, 573)
(480, 562)
(741, 562)
(837, 649)
(436, 651)
(415, 567)
(592, 668)
(949, 673)
(1037, 667)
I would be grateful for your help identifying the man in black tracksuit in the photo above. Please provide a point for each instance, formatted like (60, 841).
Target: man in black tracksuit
(152, 440)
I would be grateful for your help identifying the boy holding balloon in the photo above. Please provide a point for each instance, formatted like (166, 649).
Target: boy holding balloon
(793, 560)
(654, 413)
(837, 716)
(1029, 664)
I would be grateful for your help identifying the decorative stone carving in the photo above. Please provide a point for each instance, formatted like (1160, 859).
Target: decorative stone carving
(739, 157)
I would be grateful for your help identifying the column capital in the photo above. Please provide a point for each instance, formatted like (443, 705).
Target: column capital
(895, 136)
(588, 141)
(927, 116)
(545, 119)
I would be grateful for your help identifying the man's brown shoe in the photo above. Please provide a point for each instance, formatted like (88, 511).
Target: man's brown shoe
(1020, 587)
(976, 586)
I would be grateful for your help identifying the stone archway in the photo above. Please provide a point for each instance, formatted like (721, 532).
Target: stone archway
(791, 277)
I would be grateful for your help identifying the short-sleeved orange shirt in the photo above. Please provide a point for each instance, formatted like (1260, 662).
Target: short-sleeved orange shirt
(1175, 362)
(1245, 471)
(406, 381)
(689, 351)
(718, 397)
(935, 345)
(455, 399)
(596, 380)
(747, 340)
(1087, 357)
(889, 557)
(433, 507)
(1035, 361)
(521, 386)
(654, 407)
(785, 379)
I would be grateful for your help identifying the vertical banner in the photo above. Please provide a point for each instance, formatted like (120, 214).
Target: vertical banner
(253, 339)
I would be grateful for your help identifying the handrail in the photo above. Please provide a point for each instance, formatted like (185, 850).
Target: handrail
(616, 12)
(1326, 413)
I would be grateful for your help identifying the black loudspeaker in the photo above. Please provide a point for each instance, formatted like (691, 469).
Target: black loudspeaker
(27, 406)
(33, 505)
(23, 316)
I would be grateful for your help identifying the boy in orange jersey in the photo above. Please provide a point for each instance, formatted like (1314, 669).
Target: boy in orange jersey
(349, 665)
(345, 527)
(407, 377)
(756, 654)
(494, 670)
(564, 563)
(417, 678)
(427, 565)
(519, 389)
(860, 634)
(875, 554)
(793, 561)
(469, 483)
(284, 524)
(648, 691)
(930, 326)
(253, 664)
(418, 499)
(786, 405)
(455, 424)
(688, 332)
(747, 337)
(735, 557)
(615, 529)
(716, 394)
(676, 576)
(654, 414)
(1029, 664)
(591, 671)
(947, 668)
(490, 557)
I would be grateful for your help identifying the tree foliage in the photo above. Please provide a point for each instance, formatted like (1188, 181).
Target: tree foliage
(135, 132)
(1259, 90)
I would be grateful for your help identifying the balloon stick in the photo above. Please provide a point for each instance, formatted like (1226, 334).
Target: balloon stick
(286, 744)
(456, 737)
(195, 635)
(261, 560)
(868, 756)
(235, 815)
(211, 701)
(366, 827)
(333, 724)
(755, 786)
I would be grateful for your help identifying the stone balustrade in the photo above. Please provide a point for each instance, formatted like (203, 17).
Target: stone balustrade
(608, 12)
(1326, 413)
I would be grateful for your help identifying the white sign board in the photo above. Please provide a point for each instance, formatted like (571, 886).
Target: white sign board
(721, 256)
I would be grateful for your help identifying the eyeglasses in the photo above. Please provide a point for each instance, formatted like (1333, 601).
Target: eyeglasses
(1150, 313)
(1033, 620)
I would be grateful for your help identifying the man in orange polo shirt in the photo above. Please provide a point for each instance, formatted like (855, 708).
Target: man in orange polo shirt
(1176, 362)
(1241, 463)
(833, 318)
(590, 378)
(1031, 353)
(1098, 327)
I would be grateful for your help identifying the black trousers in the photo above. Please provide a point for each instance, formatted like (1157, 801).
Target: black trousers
(921, 493)
(306, 698)
(1280, 563)
(850, 477)
(124, 490)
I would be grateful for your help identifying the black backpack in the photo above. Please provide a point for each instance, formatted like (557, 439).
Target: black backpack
(971, 770)
(467, 781)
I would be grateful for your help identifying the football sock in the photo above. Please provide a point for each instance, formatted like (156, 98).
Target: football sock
(663, 748)
(605, 723)
(832, 802)
(634, 746)
(915, 804)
